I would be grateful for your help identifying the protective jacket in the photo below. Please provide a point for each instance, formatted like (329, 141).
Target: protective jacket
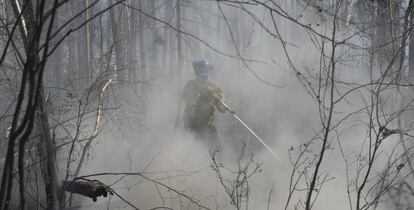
(201, 99)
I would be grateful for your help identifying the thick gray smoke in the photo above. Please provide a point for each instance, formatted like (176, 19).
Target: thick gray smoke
(286, 117)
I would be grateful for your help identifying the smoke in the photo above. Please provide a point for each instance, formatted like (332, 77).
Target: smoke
(285, 117)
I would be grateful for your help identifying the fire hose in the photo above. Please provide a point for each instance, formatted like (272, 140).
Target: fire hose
(227, 107)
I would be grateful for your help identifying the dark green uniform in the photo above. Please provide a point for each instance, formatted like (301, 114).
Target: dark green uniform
(201, 98)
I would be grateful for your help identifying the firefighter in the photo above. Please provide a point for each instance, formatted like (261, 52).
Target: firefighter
(201, 98)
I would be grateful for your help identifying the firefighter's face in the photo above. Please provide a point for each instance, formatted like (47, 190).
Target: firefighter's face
(202, 78)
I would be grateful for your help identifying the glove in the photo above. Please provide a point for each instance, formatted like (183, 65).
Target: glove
(226, 106)
(219, 96)
(88, 188)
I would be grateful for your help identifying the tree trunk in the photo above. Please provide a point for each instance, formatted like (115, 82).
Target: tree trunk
(46, 146)
(386, 16)
(411, 49)
(142, 55)
(101, 47)
(72, 45)
(179, 40)
(82, 47)
(169, 13)
(89, 31)
(132, 47)
(46, 149)
(55, 64)
(154, 34)
(118, 39)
